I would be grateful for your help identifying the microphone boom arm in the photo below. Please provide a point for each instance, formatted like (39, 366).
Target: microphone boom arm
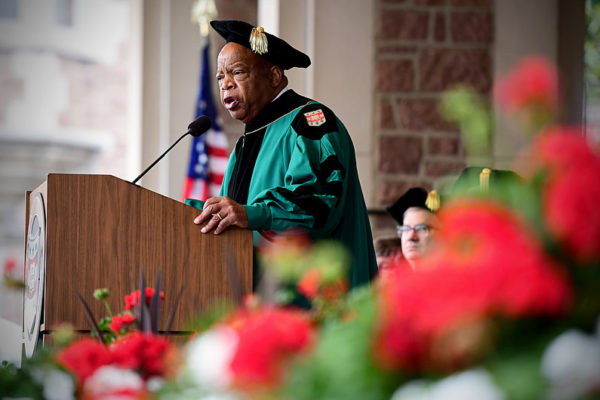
(159, 158)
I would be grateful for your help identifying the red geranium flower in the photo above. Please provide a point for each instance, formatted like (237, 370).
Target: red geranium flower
(485, 262)
(559, 148)
(119, 320)
(83, 357)
(398, 344)
(266, 338)
(150, 354)
(505, 258)
(533, 83)
(132, 299)
(571, 211)
(572, 188)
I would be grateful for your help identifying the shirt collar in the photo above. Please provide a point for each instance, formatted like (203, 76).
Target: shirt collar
(285, 89)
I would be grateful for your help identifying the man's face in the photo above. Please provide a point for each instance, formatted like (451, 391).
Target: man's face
(244, 82)
(415, 242)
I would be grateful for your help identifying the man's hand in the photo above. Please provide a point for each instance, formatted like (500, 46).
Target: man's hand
(221, 212)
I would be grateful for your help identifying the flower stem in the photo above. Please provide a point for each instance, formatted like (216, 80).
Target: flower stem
(108, 308)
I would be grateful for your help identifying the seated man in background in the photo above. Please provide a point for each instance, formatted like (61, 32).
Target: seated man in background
(415, 213)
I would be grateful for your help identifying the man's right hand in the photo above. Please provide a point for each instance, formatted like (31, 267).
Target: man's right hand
(221, 213)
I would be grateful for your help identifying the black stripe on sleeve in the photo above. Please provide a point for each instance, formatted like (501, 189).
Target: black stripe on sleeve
(308, 202)
(335, 188)
(328, 166)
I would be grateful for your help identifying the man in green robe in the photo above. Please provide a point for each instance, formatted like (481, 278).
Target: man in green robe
(294, 167)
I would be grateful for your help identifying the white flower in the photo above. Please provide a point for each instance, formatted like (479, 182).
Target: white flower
(57, 385)
(413, 390)
(108, 381)
(155, 383)
(571, 362)
(209, 357)
(468, 385)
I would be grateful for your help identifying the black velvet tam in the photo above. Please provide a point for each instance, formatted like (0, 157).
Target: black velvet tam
(279, 52)
(469, 181)
(414, 197)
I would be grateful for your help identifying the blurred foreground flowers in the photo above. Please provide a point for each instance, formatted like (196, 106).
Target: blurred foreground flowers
(505, 306)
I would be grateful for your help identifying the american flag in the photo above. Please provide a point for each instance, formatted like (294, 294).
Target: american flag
(209, 155)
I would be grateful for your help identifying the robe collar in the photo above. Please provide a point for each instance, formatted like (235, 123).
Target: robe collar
(282, 105)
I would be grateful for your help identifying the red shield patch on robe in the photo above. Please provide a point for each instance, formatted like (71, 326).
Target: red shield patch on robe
(315, 118)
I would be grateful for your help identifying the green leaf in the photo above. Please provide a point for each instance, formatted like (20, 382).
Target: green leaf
(467, 108)
(18, 383)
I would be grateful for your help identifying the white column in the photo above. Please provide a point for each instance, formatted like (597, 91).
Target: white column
(164, 95)
(134, 159)
(344, 75)
(268, 16)
(522, 28)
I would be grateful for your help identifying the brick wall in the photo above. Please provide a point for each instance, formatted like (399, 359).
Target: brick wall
(424, 47)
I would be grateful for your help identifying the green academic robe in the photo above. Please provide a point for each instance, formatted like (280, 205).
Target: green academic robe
(295, 167)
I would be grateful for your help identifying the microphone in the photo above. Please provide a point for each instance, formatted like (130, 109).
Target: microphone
(196, 128)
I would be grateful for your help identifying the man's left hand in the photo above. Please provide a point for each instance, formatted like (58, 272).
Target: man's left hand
(221, 213)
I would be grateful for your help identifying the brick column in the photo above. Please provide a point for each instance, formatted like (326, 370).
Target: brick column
(424, 47)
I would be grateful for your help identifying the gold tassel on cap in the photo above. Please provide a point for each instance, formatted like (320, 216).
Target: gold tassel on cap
(484, 180)
(433, 201)
(258, 41)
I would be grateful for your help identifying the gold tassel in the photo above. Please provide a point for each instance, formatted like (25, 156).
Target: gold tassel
(484, 180)
(433, 201)
(258, 41)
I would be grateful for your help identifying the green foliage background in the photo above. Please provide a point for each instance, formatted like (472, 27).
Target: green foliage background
(592, 50)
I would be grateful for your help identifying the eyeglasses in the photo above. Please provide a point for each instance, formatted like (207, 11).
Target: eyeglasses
(420, 229)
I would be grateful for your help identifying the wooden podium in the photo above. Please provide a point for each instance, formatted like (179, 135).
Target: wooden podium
(85, 232)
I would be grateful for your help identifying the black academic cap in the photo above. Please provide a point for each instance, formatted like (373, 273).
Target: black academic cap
(274, 49)
(474, 180)
(414, 197)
